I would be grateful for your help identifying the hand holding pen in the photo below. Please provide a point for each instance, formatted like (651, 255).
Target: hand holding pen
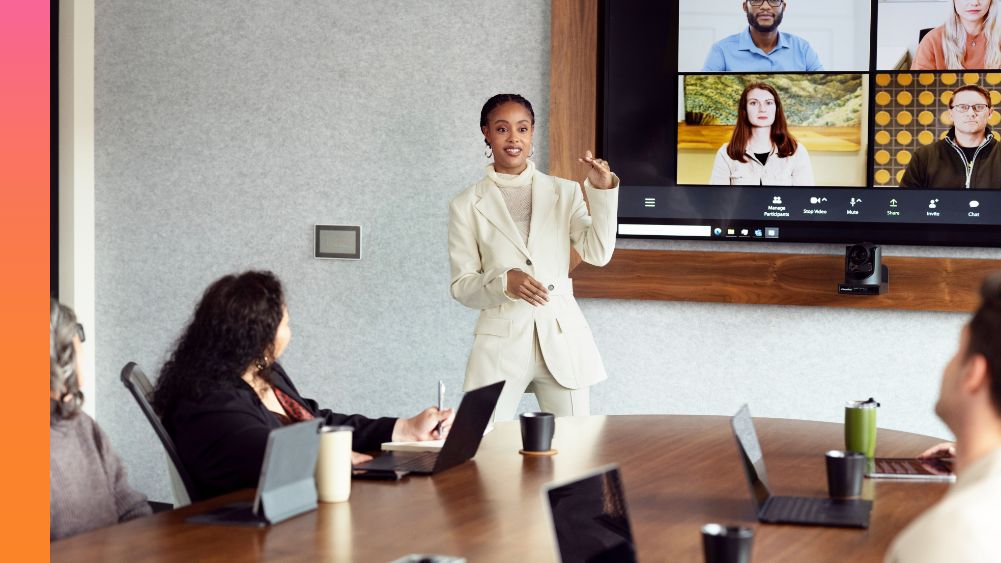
(432, 423)
(441, 404)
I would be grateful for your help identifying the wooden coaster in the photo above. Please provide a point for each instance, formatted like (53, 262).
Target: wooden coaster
(534, 454)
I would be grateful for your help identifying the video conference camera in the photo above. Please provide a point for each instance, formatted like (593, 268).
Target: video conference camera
(864, 272)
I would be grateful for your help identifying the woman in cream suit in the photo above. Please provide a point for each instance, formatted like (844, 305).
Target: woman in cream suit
(509, 241)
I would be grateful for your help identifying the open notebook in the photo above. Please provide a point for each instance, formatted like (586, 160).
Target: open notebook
(425, 446)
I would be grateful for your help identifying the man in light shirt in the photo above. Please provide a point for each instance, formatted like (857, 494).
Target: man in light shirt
(760, 47)
(963, 526)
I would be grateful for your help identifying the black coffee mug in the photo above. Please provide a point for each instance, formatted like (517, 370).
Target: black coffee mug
(845, 471)
(726, 544)
(537, 429)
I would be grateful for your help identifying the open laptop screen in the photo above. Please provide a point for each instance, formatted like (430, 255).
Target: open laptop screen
(590, 519)
(751, 456)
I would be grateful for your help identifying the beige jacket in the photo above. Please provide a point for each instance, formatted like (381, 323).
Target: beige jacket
(963, 526)
(793, 170)
(483, 244)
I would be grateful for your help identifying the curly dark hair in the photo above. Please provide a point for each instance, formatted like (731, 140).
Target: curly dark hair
(233, 327)
(985, 333)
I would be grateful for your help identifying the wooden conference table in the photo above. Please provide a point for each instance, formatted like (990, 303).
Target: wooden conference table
(679, 473)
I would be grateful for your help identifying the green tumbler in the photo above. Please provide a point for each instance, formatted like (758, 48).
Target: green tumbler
(860, 427)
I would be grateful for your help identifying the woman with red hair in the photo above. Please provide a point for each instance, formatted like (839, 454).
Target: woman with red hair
(761, 150)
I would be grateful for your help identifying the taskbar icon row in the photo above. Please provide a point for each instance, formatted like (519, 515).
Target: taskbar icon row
(746, 232)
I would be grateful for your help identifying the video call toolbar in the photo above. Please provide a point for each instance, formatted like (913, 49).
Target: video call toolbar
(975, 207)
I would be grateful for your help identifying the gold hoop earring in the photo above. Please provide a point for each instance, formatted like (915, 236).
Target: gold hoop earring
(262, 363)
(531, 154)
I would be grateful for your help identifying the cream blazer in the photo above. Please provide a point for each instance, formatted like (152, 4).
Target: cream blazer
(483, 244)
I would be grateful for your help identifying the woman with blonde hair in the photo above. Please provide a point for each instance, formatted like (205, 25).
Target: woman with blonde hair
(970, 38)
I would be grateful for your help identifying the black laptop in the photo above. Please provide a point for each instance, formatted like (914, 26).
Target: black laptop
(589, 518)
(790, 510)
(460, 445)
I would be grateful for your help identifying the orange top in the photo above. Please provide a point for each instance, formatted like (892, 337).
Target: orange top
(930, 55)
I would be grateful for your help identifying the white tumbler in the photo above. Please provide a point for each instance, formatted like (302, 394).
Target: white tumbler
(333, 465)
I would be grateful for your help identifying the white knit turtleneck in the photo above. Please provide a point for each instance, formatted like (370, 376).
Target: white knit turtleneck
(516, 189)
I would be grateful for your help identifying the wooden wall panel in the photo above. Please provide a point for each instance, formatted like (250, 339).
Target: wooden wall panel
(930, 284)
(933, 284)
(573, 90)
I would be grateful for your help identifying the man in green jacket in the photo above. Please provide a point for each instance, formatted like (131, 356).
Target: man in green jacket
(967, 157)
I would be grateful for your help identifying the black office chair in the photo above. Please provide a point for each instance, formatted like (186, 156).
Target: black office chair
(137, 384)
(923, 32)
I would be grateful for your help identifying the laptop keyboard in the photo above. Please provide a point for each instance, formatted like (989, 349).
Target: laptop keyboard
(808, 510)
(419, 463)
(800, 509)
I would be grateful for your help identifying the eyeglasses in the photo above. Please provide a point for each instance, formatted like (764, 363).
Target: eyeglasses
(977, 108)
(772, 3)
(80, 334)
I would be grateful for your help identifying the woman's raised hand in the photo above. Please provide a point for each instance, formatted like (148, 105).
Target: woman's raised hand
(598, 171)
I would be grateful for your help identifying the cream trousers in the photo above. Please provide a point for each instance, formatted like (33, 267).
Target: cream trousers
(552, 396)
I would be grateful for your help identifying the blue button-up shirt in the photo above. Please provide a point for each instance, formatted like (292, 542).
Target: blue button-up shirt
(738, 53)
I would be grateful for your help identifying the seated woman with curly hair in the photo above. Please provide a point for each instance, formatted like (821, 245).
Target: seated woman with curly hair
(221, 392)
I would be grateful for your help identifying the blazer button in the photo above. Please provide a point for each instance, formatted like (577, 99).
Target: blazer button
(529, 262)
(551, 287)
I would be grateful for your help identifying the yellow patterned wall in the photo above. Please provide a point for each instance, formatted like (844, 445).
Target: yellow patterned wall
(912, 110)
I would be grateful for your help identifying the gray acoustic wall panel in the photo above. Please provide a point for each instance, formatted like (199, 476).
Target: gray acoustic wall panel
(225, 130)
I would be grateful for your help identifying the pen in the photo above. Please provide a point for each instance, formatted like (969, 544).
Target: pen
(441, 403)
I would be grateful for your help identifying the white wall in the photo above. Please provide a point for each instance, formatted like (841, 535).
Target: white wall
(76, 177)
(837, 31)
(900, 22)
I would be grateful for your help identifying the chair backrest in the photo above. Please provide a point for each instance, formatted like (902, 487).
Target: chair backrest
(138, 384)
(922, 33)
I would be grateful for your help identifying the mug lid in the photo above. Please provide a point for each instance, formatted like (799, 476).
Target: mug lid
(537, 414)
(714, 529)
(324, 429)
(844, 454)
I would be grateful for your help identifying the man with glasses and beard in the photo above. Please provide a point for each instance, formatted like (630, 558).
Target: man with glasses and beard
(760, 47)
(967, 157)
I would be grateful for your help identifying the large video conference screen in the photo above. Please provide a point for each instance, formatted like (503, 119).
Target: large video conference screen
(804, 120)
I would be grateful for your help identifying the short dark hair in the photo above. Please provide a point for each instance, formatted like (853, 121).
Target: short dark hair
(499, 99)
(985, 333)
(971, 88)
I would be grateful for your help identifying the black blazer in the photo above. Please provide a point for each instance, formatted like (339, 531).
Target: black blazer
(221, 437)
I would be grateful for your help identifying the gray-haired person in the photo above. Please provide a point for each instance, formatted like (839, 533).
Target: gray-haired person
(87, 484)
